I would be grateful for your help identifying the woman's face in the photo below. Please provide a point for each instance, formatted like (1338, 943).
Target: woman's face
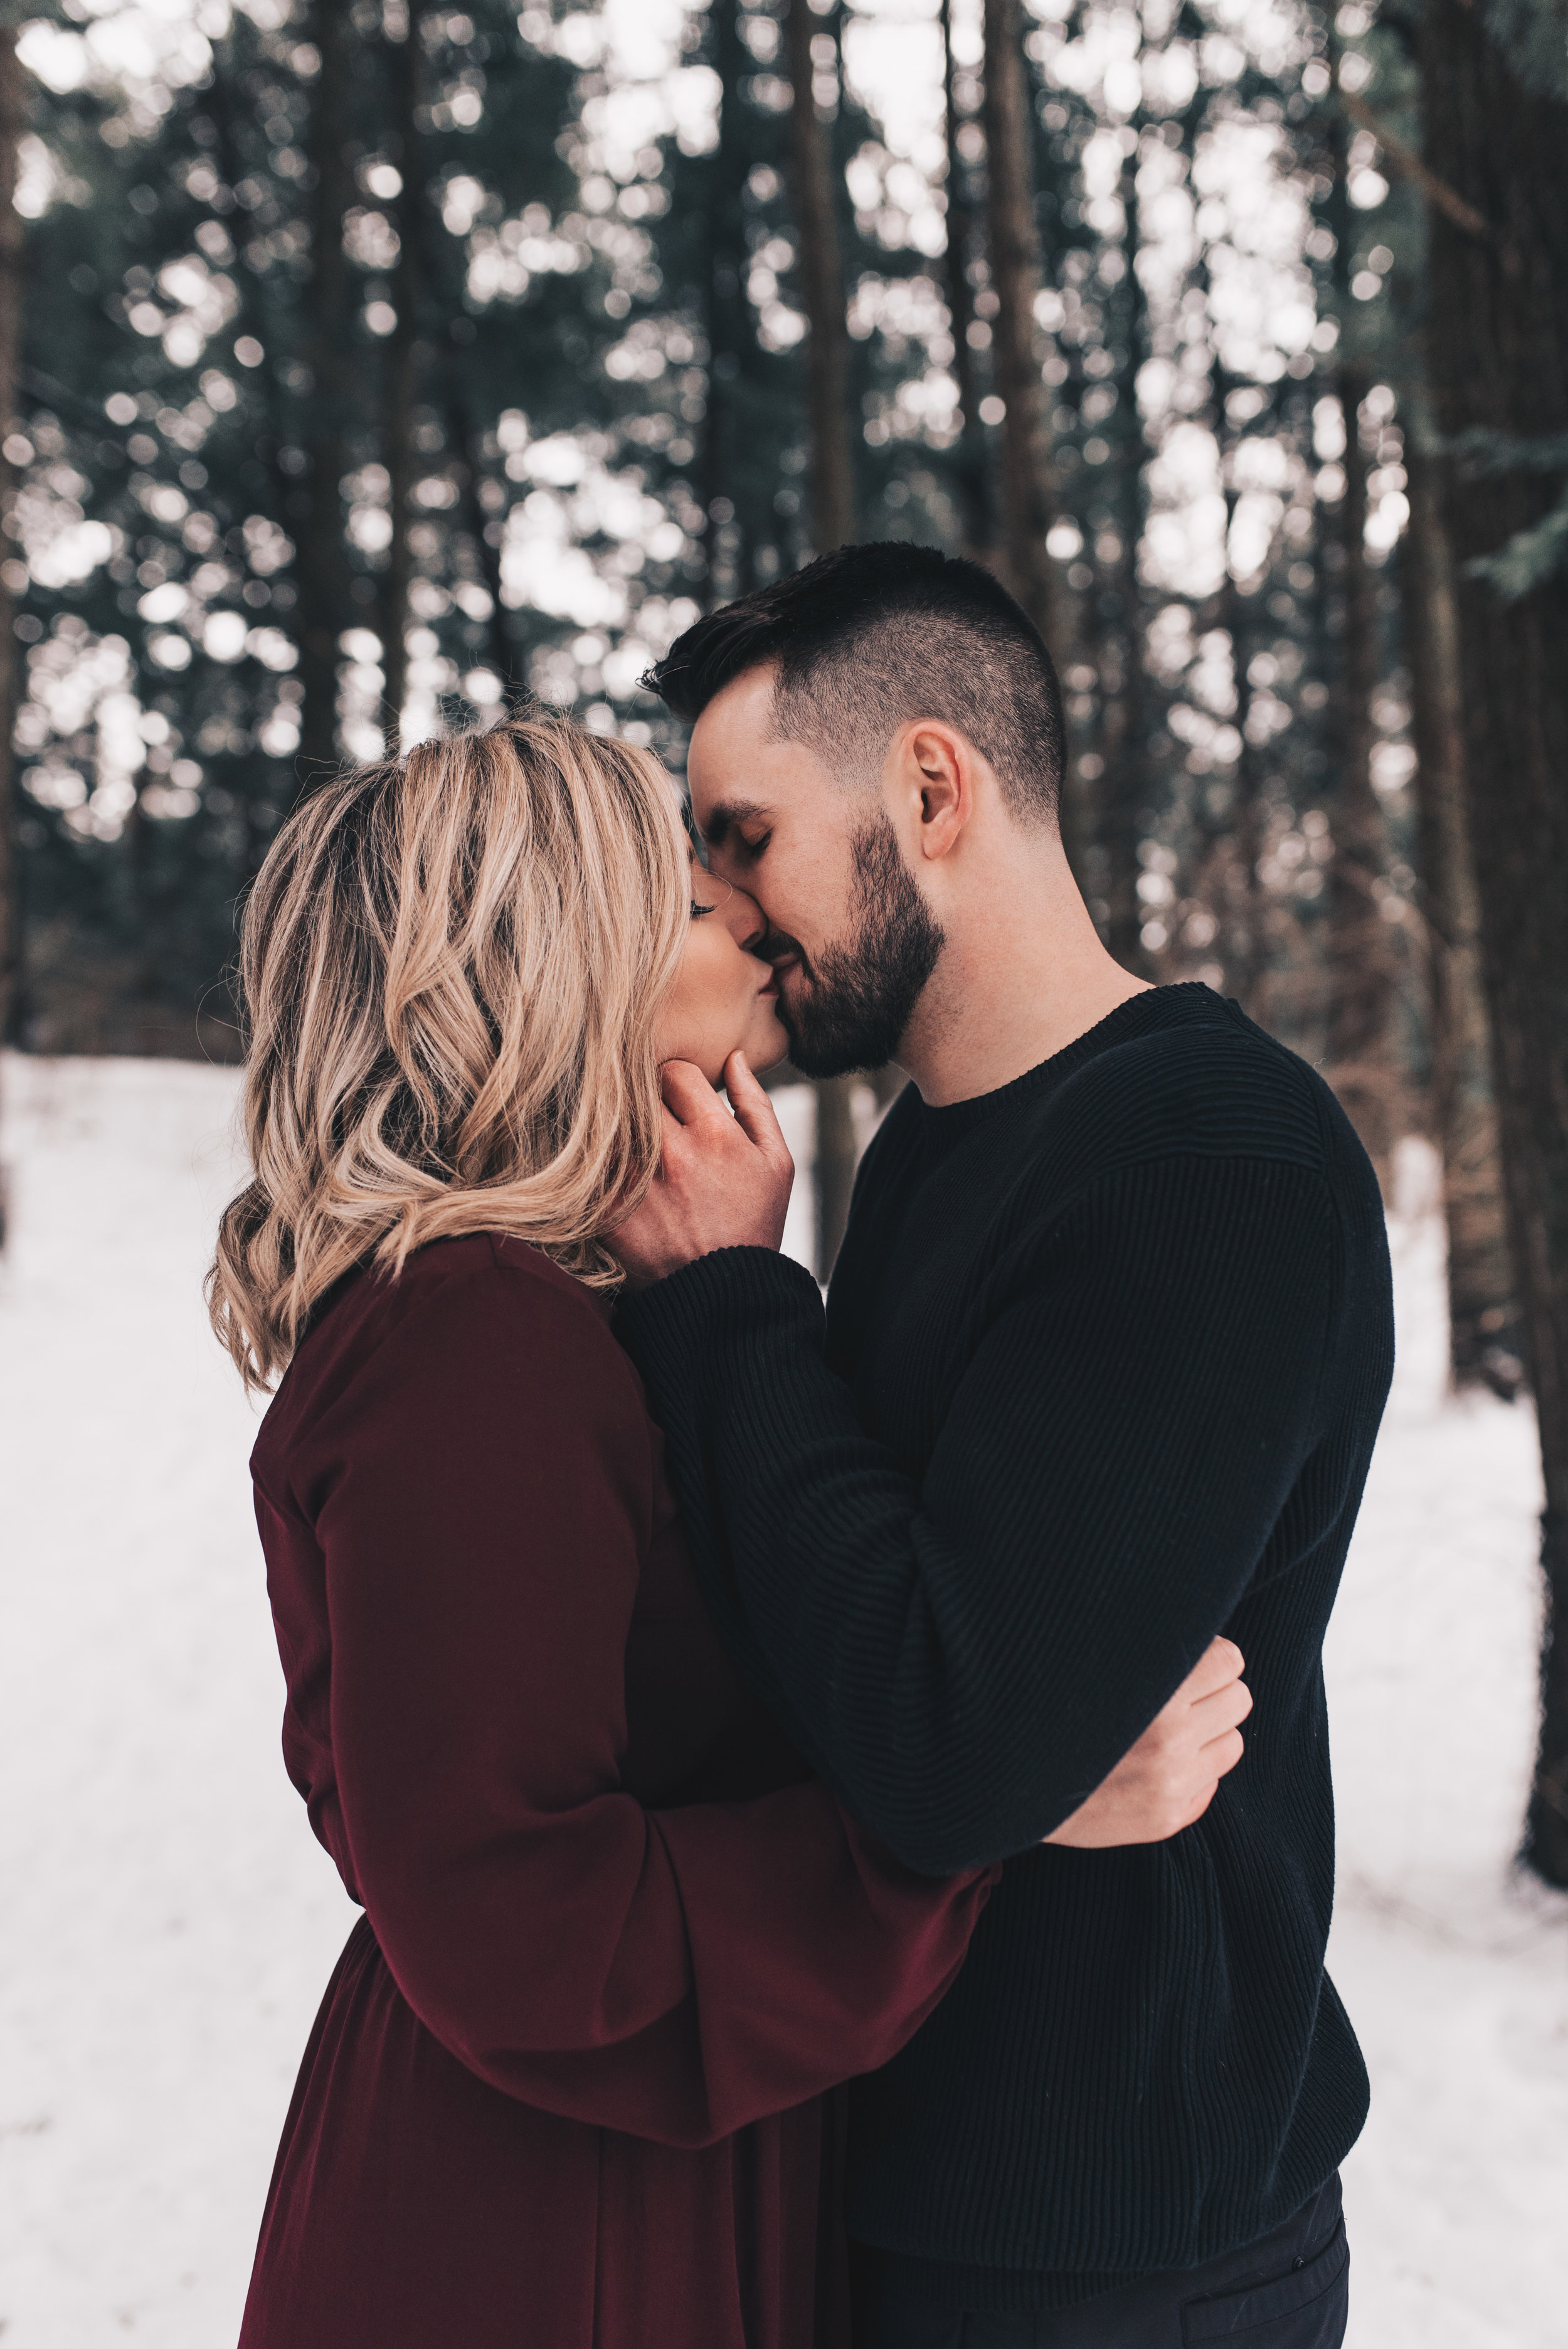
(724, 1000)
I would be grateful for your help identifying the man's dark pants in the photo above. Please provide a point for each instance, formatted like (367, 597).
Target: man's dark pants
(1290, 2290)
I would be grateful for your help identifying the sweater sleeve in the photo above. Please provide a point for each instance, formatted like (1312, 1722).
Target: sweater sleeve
(481, 1492)
(965, 1656)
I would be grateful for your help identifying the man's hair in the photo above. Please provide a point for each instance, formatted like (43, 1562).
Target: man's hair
(870, 636)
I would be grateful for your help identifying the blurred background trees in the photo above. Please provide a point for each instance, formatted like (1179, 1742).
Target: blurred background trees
(368, 365)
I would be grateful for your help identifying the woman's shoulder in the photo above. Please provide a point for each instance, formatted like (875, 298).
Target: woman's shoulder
(481, 1278)
(497, 1273)
(462, 1318)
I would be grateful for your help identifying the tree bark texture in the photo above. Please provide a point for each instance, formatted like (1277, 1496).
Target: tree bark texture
(487, 531)
(1362, 974)
(821, 279)
(725, 319)
(12, 122)
(1030, 497)
(1244, 941)
(323, 569)
(972, 472)
(1483, 1339)
(1498, 362)
(406, 57)
(1120, 801)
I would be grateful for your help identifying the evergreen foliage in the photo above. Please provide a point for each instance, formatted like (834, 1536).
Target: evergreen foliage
(385, 361)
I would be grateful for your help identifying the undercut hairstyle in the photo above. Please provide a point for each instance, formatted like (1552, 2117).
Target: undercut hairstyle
(870, 638)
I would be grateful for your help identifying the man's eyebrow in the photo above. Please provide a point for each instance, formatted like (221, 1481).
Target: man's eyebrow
(723, 819)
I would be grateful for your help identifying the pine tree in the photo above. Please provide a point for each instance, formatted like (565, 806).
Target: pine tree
(13, 116)
(409, 161)
(1030, 499)
(832, 478)
(325, 357)
(971, 457)
(1496, 134)
(1482, 1331)
(171, 406)
(821, 279)
(1362, 974)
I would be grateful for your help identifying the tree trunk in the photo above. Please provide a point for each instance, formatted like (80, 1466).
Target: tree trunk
(1362, 971)
(13, 121)
(407, 56)
(972, 472)
(1242, 942)
(1121, 799)
(1030, 501)
(822, 278)
(323, 569)
(1499, 363)
(726, 316)
(487, 531)
(1483, 1339)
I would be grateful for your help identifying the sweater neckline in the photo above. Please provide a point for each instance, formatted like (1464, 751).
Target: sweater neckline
(1140, 1013)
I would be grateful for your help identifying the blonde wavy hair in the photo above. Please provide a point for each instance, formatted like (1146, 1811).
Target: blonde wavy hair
(452, 966)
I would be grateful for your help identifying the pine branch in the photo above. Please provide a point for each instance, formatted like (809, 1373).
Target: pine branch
(1527, 559)
(1484, 451)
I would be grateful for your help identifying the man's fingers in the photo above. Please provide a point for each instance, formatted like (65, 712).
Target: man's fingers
(1225, 1753)
(754, 1112)
(688, 1095)
(1220, 1663)
(1226, 1708)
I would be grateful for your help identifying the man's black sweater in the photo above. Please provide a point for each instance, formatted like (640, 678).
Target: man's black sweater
(1103, 1362)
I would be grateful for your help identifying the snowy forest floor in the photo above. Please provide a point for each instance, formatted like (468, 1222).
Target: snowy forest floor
(168, 1923)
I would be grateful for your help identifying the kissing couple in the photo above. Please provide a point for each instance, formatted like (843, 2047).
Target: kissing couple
(788, 1759)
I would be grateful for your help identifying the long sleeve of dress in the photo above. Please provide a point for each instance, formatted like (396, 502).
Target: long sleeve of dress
(481, 1490)
(965, 1655)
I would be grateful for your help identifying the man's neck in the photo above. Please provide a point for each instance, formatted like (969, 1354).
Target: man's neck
(1018, 982)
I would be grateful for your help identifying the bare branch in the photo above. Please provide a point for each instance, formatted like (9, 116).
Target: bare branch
(1409, 166)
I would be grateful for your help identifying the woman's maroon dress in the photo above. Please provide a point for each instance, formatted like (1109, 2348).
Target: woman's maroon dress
(565, 2088)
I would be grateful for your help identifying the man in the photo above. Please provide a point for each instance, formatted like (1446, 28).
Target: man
(1103, 1360)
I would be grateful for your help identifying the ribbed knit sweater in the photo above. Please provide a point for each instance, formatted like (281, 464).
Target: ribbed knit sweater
(1103, 1361)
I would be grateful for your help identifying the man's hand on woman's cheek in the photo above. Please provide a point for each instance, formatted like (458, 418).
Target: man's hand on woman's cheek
(1171, 1776)
(723, 1182)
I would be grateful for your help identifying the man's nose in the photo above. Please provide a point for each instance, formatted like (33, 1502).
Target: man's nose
(747, 922)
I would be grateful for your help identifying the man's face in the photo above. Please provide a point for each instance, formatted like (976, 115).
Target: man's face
(849, 934)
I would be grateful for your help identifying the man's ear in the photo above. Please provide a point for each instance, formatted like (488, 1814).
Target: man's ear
(939, 775)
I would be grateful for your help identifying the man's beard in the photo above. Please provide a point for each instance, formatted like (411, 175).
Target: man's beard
(849, 1010)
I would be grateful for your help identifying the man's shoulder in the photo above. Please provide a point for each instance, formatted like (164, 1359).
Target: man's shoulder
(1210, 1083)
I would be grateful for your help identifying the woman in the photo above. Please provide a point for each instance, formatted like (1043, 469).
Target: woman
(565, 2086)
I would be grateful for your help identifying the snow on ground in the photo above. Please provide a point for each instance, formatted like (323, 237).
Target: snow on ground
(1454, 1970)
(167, 1922)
